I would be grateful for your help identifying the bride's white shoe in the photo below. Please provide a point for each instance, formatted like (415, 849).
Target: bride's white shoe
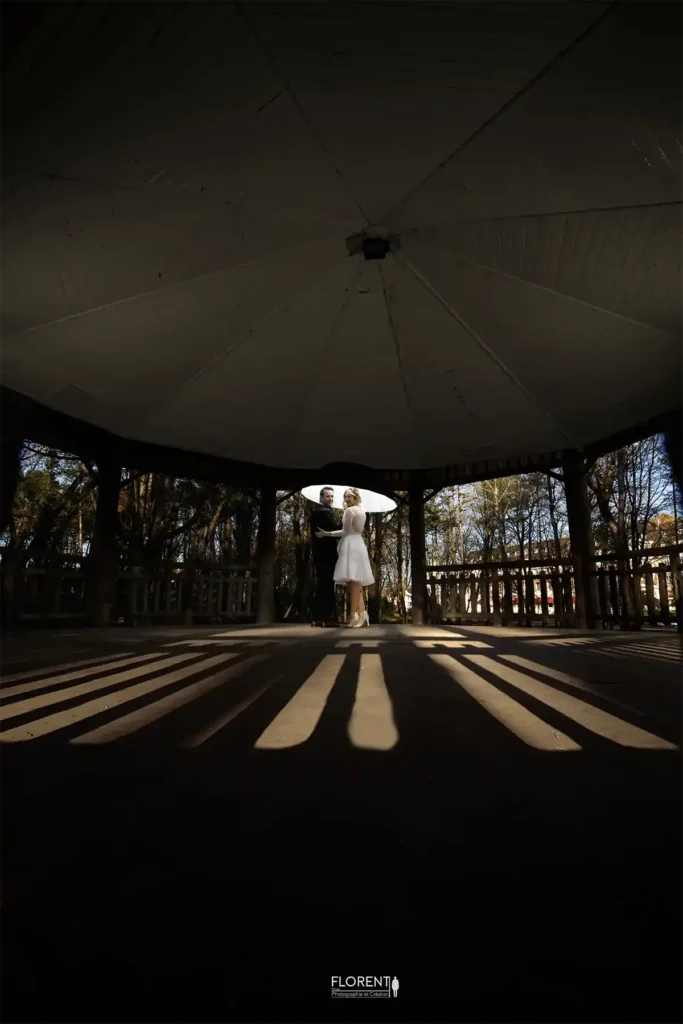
(353, 621)
(358, 623)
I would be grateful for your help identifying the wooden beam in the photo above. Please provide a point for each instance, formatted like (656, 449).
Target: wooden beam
(58, 430)
(638, 432)
(488, 469)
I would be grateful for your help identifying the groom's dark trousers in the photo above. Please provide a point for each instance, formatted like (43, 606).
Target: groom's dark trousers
(324, 560)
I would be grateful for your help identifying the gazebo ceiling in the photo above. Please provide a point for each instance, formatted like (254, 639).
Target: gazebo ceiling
(180, 181)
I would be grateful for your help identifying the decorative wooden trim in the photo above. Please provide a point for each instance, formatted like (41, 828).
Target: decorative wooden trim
(55, 429)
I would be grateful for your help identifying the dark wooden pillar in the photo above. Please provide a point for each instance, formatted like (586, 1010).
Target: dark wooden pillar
(10, 469)
(102, 558)
(265, 552)
(673, 439)
(575, 472)
(418, 558)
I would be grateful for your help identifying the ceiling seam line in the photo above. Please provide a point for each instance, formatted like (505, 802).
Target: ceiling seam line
(564, 213)
(552, 291)
(332, 333)
(488, 351)
(397, 347)
(158, 194)
(304, 117)
(248, 335)
(557, 59)
(156, 291)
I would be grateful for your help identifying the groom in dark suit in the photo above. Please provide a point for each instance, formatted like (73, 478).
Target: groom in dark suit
(324, 559)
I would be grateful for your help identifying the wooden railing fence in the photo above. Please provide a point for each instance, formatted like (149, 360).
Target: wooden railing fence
(55, 589)
(543, 590)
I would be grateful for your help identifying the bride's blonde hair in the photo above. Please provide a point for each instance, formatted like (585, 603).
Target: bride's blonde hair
(357, 500)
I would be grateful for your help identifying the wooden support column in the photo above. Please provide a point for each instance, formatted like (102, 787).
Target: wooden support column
(102, 558)
(14, 429)
(265, 552)
(677, 589)
(673, 438)
(418, 558)
(575, 472)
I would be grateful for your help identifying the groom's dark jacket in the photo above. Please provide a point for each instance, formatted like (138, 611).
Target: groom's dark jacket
(324, 548)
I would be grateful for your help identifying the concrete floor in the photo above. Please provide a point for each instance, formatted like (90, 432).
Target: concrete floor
(208, 824)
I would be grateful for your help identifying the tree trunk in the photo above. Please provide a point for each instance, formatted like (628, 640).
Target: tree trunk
(552, 505)
(102, 560)
(302, 563)
(400, 565)
(244, 517)
(631, 618)
(206, 541)
(265, 608)
(581, 537)
(375, 602)
(461, 538)
(418, 560)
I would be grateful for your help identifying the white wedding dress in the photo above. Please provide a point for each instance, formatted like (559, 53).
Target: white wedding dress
(353, 563)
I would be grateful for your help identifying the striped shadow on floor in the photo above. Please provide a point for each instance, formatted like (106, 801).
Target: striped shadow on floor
(36, 704)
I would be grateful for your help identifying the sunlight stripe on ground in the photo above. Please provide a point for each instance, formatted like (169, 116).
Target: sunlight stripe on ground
(528, 727)
(229, 643)
(451, 644)
(429, 633)
(562, 677)
(152, 712)
(602, 723)
(297, 721)
(569, 641)
(656, 650)
(666, 657)
(225, 719)
(62, 719)
(44, 700)
(67, 677)
(203, 643)
(103, 660)
(372, 725)
(663, 646)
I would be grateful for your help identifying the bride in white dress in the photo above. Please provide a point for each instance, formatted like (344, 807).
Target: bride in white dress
(353, 565)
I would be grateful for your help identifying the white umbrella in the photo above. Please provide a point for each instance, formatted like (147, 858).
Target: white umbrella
(372, 501)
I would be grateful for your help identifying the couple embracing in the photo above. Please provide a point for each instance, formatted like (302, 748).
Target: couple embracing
(345, 563)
